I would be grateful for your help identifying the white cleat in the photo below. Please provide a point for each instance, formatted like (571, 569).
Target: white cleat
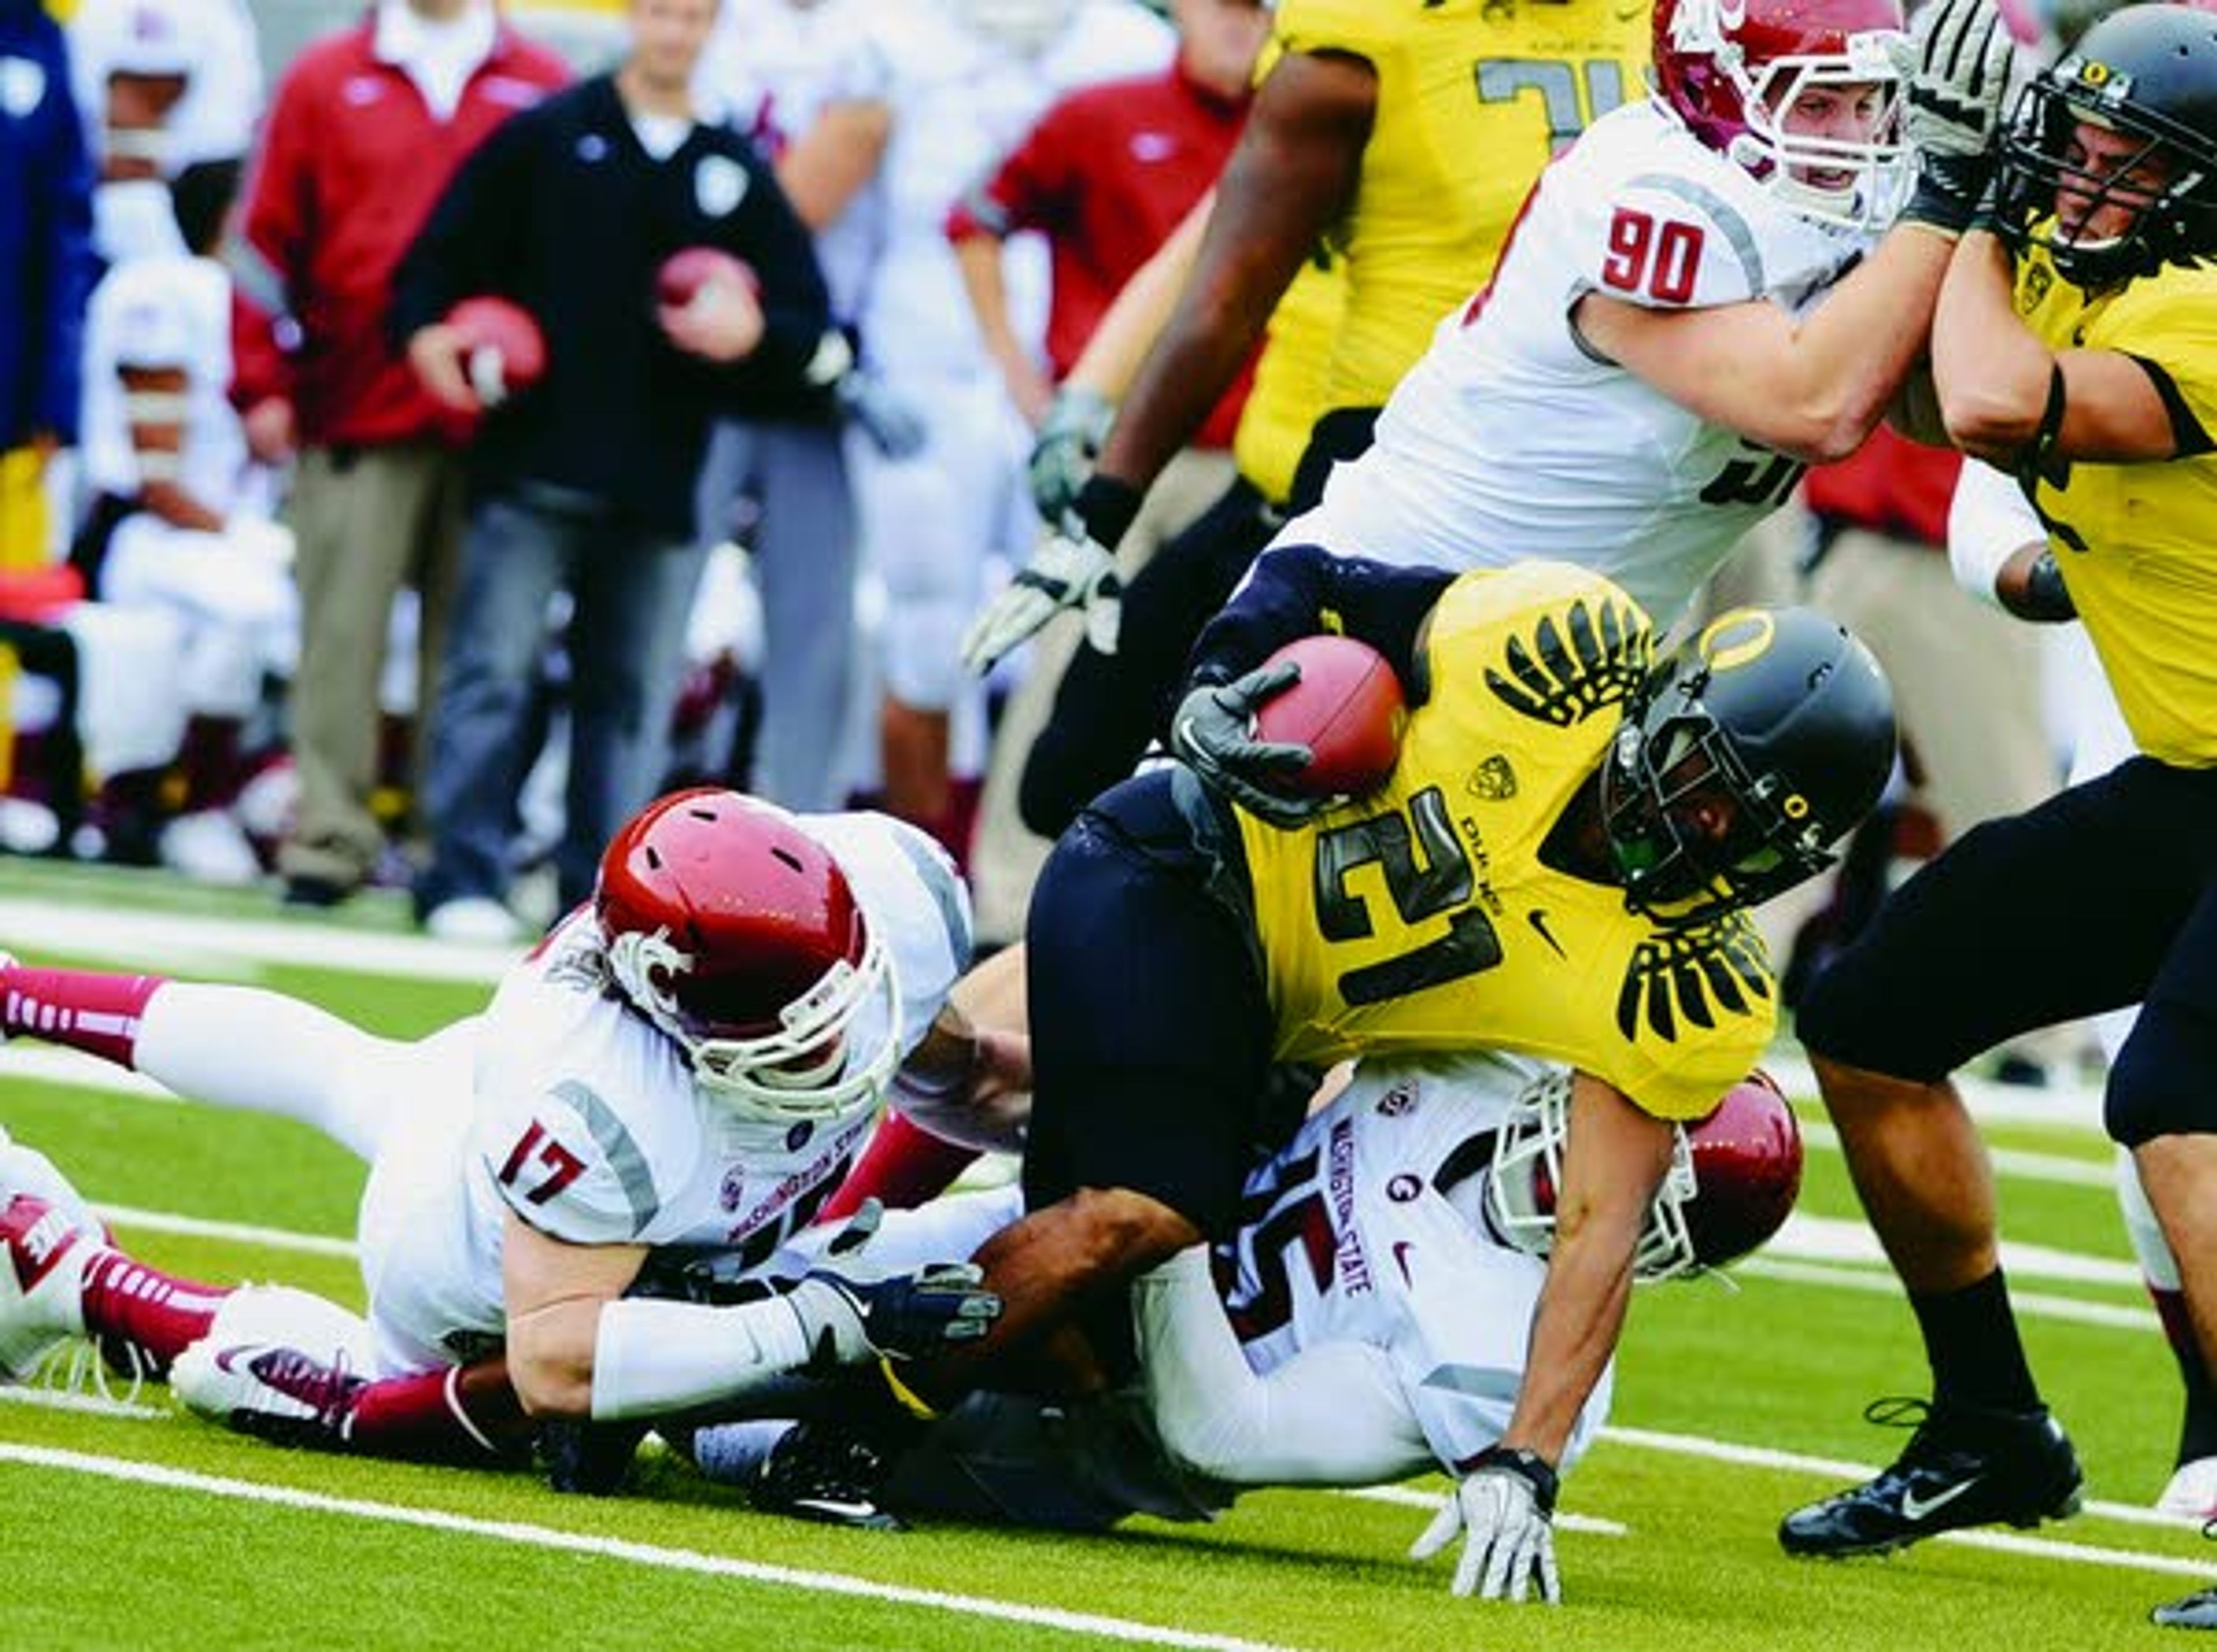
(2192, 1492)
(43, 1249)
(277, 1362)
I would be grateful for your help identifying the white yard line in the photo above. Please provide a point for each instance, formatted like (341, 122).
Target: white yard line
(1093, 1624)
(1763, 1457)
(198, 942)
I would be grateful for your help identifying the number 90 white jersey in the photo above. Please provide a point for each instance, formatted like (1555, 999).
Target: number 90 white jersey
(1509, 439)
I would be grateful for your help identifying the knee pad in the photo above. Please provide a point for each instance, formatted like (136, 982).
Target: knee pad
(2160, 1084)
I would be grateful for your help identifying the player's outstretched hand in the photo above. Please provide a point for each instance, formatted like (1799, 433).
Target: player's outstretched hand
(1068, 571)
(1213, 733)
(1505, 1510)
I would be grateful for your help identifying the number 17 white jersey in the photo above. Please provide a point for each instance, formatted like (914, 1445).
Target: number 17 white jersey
(1511, 439)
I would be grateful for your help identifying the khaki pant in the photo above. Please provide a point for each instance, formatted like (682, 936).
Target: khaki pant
(1005, 856)
(367, 521)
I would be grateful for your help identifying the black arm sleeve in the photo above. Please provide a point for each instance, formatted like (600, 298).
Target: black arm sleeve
(465, 245)
(2185, 430)
(1296, 590)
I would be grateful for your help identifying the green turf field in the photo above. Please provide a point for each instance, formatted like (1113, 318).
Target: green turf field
(137, 1527)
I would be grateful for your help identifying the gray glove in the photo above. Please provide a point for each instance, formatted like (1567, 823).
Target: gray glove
(1956, 85)
(1068, 441)
(1505, 1510)
(1213, 732)
(896, 426)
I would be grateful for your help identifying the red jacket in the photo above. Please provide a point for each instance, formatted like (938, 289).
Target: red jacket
(350, 165)
(1106, 174)
(1891, 485)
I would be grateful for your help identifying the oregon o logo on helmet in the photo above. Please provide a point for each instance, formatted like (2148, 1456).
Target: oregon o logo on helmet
(1796, 806)
(1732, 640)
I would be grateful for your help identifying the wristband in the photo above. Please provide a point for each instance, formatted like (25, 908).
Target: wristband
(1106, 507)
(1527, 1465)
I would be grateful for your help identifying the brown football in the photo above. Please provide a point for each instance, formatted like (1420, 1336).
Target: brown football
(1346, 708)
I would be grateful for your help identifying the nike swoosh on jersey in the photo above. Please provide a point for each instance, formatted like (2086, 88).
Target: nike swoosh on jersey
(1401, 1249)
(1914, 1508)
(1538, 919)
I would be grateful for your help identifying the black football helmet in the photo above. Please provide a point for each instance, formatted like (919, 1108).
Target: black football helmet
(2147, 72)
(1745, 755)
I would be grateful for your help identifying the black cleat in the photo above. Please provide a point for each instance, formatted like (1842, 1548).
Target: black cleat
(1964, 1466)
(819, 1471)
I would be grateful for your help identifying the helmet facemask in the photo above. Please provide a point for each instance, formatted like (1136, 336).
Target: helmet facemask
(1527, 1175)
(804, 1069)
(1732, 1180)
(1736, 96)
(2173, 221)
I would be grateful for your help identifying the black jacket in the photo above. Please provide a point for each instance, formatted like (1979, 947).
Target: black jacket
(562, 211)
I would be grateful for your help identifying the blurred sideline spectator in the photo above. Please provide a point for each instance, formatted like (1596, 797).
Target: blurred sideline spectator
(1106, 174)
(584, 484)
(180, 524)
(161, 84)
(806, 82)
(970, 77)
(366, 127)
(45, 269)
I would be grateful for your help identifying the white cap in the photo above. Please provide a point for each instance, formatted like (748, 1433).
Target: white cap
(151, 37)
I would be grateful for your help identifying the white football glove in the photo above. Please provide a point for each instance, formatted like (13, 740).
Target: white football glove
(1505, 1510)
(1956, 88)
(1069, 570)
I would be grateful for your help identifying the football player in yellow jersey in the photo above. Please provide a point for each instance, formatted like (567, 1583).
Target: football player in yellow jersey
(1556, 866)
(2075, 344)
(1392, 141)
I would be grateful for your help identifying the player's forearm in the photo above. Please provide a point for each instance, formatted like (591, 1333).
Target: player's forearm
(651, 1359)
(1142, 309)
(1992, 374)
(1853, 352)
(1575, 1330)
(827, 166)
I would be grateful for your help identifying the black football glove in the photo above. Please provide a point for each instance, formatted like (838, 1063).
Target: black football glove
(1213, 732)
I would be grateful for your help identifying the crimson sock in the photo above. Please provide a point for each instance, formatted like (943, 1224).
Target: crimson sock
(902, 1165)
(2197, 1433)
(452, 1415)
(96, 1013)
(156, 1315)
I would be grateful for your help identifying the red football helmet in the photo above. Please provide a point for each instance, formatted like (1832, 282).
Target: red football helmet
(1733, 1177)
(1732, 69)
(734, 931)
